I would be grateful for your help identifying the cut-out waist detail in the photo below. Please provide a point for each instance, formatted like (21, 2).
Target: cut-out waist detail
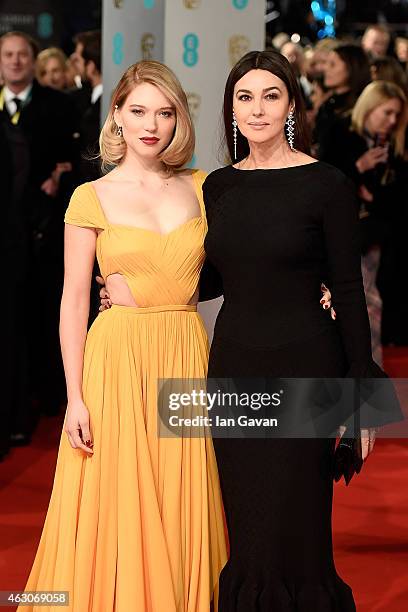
(153, 309)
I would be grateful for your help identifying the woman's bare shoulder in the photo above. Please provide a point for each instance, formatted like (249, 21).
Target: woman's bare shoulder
(109, 178)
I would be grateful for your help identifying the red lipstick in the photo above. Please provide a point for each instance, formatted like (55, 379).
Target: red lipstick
(150, 140)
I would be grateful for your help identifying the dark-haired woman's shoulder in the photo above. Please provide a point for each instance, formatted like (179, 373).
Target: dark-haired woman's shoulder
(333, 180)
(216, 183)
(219, 176)
(334, 192)
(322, 179)
(331, 175)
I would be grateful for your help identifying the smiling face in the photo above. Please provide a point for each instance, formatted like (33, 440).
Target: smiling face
(261, 106)
(148, 120)
(17, 62)
(54, 74)
(384, 118)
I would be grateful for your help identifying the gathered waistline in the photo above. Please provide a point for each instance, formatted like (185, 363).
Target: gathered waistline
(153, 309)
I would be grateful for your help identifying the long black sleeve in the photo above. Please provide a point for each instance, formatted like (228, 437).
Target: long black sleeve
(344, 148)
(378, 401)
(341, 231)
(273, 235)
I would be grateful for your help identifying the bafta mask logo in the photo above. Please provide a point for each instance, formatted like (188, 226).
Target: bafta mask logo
(192, 4)
(194, 103)
(147, 45)
(238, 46)
(118, 3)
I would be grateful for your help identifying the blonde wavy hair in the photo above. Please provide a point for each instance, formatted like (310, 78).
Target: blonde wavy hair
(181, 147)
(373, 95)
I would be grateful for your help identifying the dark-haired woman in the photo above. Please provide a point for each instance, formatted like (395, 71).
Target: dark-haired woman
(346, 73)
(279, 222)
(389, 69)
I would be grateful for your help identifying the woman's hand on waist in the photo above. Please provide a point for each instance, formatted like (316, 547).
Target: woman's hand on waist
(326, 301)
(104, 295)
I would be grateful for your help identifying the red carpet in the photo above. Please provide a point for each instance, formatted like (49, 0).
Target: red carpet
(370, 516)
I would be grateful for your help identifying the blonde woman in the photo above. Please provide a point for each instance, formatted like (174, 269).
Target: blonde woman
(317, 59)
(135, 520)
(368, 146)
(51, 68)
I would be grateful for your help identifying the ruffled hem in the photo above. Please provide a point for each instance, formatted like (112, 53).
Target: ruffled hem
(378, 401)
(369, 369)
(269, 592)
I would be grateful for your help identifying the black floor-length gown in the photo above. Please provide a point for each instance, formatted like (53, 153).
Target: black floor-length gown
(273, 236)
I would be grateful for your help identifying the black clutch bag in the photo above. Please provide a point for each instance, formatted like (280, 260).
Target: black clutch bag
(348, 459)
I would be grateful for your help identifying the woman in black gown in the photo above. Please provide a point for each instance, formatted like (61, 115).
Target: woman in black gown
(279, 223)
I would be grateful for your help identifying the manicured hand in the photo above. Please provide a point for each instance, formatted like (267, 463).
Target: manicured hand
(367, 441)
(77, 427)
(104, 295)
(372, 157)
(326, 300)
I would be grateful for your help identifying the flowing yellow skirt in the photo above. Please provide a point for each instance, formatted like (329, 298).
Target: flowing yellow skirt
(137, 526)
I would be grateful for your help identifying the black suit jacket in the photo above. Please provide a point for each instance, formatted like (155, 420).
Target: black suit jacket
(81, 97)
(89, 167)
(49, 123)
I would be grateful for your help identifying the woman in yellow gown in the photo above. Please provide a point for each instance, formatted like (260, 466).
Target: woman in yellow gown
(135, 520)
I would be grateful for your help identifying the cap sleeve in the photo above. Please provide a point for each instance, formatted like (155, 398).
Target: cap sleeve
(84, 209)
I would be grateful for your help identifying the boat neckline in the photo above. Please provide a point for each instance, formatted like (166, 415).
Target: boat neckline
(315, 163)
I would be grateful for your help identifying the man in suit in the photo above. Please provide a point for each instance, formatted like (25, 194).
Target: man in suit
(81, 93)
(88, 62)
(37, 125)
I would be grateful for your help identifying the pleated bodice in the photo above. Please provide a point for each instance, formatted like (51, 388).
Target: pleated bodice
(137, 525)
(160, 269)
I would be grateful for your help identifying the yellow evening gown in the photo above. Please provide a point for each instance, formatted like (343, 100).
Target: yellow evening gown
(138, 526)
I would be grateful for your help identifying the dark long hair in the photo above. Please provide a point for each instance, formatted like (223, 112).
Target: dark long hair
(358, 67)
(389, 69)
(277, 64)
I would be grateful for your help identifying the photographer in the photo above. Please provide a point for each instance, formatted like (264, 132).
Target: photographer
(368, 146)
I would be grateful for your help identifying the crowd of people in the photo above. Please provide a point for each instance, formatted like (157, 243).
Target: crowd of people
(49, 128)
(356, 95)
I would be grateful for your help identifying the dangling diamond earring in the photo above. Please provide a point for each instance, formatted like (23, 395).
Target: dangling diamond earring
(235, 131)
(290, 130)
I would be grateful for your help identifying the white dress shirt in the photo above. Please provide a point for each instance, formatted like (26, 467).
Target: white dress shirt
(96, 93)
(10, 95)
